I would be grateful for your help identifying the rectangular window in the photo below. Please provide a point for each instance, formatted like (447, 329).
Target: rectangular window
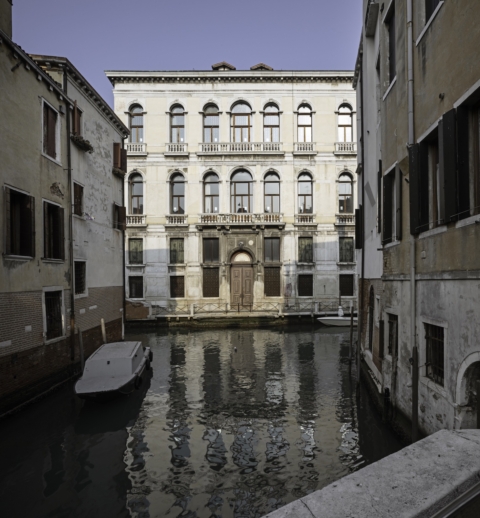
(392, 335)
(119, 217)
(19, 223)
(430, 6)
(177, 287)
(53, 314)
(346, 249)
(176, 251)
(135, 287)
(211, 252)
(272, 249)
(346, 285)
(434, 341)
(392, 62)
(50, 117)
(392, 206)
(53, 231)
(272, 282)
(80, 277)
(76, 120)
(305, 285)
(77, 199)
(305, 249)
(135, 251)
(211, 285)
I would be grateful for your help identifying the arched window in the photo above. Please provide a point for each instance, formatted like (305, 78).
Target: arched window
(305, 190)
(345, 194)
(241, 121)
(211, 123)
(136, 123)
(345, 123)
(177, 194)
(272, 193)
(177, 124)
(211, 188)
(241, 193)
(271, 123)
(135, 183)
(304, 123)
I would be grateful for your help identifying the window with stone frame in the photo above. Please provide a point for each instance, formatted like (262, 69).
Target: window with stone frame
(50, 121)
(177, 286)
(346, 250)
(211, 250)
(271, 123)
(177, 194)
(77, 199)
(211, 284)
(241, 122)
(19, 223)
(272, 281)
(271, 186)
(392, 335)
(305, 194)
(211, 124)
(176, 251)
(345, 123)
(392, 52)
(135, 286)
(305, 285)
(435, 353)
(135, 116)
(177, 124)
(135, 251)
(346, 285)
(304, 123)
(53, 231)
(53, 314)
(305, 249)
(80, 277)
(272, 249)
(211, 193)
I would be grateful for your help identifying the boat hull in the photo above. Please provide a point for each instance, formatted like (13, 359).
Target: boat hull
(337, 321)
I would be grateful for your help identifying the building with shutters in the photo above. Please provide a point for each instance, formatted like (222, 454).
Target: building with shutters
(418, 94)
(62, 262)
(240, 190)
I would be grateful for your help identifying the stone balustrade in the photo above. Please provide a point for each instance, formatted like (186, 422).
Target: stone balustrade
(223, 148)
(136, 148)
(241, 218)
(136, 220)
(345, 148)
(176, 148)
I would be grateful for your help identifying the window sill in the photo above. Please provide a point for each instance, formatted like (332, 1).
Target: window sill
(427, 25)
(429, 383)
(24, 258)
(135, 265)
(433, 232)
(176, 264)
(385, 95)
(392, 244)
(54, 160)
(346, 263)
(54, 340)
(305, 264)
(54, 261)
(81, 295)
(468, 221)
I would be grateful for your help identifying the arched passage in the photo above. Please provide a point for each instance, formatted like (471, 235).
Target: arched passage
(466, 397)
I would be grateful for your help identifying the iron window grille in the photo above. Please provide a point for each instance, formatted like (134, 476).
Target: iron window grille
(435, 351)
(272, 281)
(211, 284)
(80, 277)
(177, 287)
(176, 251)
(53, 314)
(305, 249)
(135, 251)
(135, 287)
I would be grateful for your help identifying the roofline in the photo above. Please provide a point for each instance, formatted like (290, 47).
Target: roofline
(71, 69)
(358, 63)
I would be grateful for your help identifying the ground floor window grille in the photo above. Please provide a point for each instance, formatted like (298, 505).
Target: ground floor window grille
(135, 284)
(53, 314)
(80, 277)
(176, 251)
(305, 249)
(177, 287)
(346, 285)
(211, 286)
(434, 340)
(393, 335)
(305, 285)
(346, 249)
(272, 282)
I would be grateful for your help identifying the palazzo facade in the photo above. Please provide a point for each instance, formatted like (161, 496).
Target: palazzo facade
(240, 189)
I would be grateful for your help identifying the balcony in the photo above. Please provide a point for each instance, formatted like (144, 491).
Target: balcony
(305, 219)
(304, 148)
(241, 219)
(136, 149)
(176, 219)
(176, 149)
(136, 220)
(241, 148)
(345, 148)
(344, 219)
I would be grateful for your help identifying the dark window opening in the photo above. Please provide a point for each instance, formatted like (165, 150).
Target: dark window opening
(135, 287)
(80, 277)
(176, 251)
(135, 251)
(305, 285)
(53, 231)
(77, 199)
(53, 314)
(211, 285)
(272, 282)
(272, 249)
(305, 249)
(392, 62)
(211, 250)
(430, 6)
(76, 120)
(19, 223)
(346, 249)
(119, 217)
(393, 335)
(177, 287)
(434, 341)
(49, 131)
(346, 285)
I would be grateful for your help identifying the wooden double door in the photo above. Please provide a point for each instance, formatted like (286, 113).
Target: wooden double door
(241, 286)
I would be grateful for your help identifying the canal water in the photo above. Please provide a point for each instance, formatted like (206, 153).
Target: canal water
(229, 423)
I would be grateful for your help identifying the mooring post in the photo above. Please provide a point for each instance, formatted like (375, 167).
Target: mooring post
(82, 357)
(104, 332)
(415, 395)
(478, 404)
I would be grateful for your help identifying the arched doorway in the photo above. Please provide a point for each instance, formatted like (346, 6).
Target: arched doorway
(241, 280)
(467, 394)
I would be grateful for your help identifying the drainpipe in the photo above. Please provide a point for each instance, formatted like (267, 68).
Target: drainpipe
(413, 299)
(123, 253)
(70, 223)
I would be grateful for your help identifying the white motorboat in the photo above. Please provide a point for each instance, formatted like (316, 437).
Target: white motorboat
(337, 321)
(115, 368)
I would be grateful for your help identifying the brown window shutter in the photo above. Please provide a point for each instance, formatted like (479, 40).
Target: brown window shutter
(414, 186)
(45, 128)
(463, 186)
(75, 118)
(387, 234)
(32, 226)
(359, 228)
(381, 352)
(52, 122)
(117, 155)
(122, 218)
(398, 202)
(61, 232)
(448, 164)
(8, 222)
(423, 188)
(46, 231)
(123, 160)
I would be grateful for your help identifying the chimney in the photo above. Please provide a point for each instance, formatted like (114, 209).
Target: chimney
(6, 17)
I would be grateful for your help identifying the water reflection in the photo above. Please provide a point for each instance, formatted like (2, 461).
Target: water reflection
(232, 423)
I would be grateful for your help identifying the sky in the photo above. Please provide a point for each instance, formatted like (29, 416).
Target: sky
(99, 35)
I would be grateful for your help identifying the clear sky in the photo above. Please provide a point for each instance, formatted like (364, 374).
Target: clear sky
(98, 35)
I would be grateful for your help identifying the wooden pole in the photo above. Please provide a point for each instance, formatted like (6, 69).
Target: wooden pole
(415, 395)
(478, 404)
(104, 332)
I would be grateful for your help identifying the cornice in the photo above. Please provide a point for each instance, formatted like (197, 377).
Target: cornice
(238, 76)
